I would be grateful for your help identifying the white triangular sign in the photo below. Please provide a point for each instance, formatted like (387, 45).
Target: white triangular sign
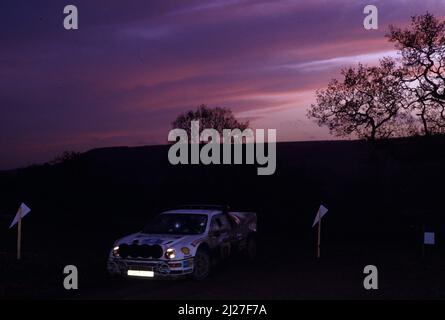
(321, 212)
(23, 211)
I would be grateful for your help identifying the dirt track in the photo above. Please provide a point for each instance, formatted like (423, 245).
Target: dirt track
(303, 277)
(282, 271)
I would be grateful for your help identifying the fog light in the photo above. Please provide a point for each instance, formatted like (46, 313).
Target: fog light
(185, 250)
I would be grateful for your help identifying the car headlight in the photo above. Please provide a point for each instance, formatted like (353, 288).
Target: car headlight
(116, 251)
(170, 253)
(185, 250)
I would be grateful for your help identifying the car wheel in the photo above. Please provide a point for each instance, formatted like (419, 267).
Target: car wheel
(201, 265)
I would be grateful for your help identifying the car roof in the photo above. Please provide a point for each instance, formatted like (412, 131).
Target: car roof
(209, 212)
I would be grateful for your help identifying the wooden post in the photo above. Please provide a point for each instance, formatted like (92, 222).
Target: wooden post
(319, 236)
(19, 234)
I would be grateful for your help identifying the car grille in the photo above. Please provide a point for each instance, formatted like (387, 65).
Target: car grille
(140, 251)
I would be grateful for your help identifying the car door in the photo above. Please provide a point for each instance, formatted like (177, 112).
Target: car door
(220, 235)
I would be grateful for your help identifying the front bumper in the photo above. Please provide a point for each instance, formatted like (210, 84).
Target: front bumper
(156, 268)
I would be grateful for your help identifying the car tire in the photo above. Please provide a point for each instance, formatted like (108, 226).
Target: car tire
(201, 265)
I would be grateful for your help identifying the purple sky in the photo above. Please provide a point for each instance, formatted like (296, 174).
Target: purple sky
(133, 65)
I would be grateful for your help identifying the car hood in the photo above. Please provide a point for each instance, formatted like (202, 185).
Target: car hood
(152, 239)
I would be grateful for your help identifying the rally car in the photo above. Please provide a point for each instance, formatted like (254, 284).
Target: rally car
(185, 241)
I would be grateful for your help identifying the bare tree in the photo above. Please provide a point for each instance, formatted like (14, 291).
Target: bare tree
(422, 46)
(209, 118)
(368, 102)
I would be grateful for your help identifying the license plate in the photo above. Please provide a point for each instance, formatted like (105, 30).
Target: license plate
(141, 273)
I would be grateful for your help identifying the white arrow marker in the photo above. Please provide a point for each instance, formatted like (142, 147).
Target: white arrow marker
(321, 212)
(23, 211)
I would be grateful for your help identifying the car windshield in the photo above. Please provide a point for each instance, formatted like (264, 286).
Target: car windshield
(177, 224)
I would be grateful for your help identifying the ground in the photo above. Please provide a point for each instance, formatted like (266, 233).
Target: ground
(275, 275)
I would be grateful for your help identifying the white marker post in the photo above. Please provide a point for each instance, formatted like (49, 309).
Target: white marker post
(321, 212)
(19, 234)
(23, 211)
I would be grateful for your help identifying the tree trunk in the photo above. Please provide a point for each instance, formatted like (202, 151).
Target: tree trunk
(425, 124)
(373, 134)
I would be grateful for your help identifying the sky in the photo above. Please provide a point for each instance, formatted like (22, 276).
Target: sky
(134, 65)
